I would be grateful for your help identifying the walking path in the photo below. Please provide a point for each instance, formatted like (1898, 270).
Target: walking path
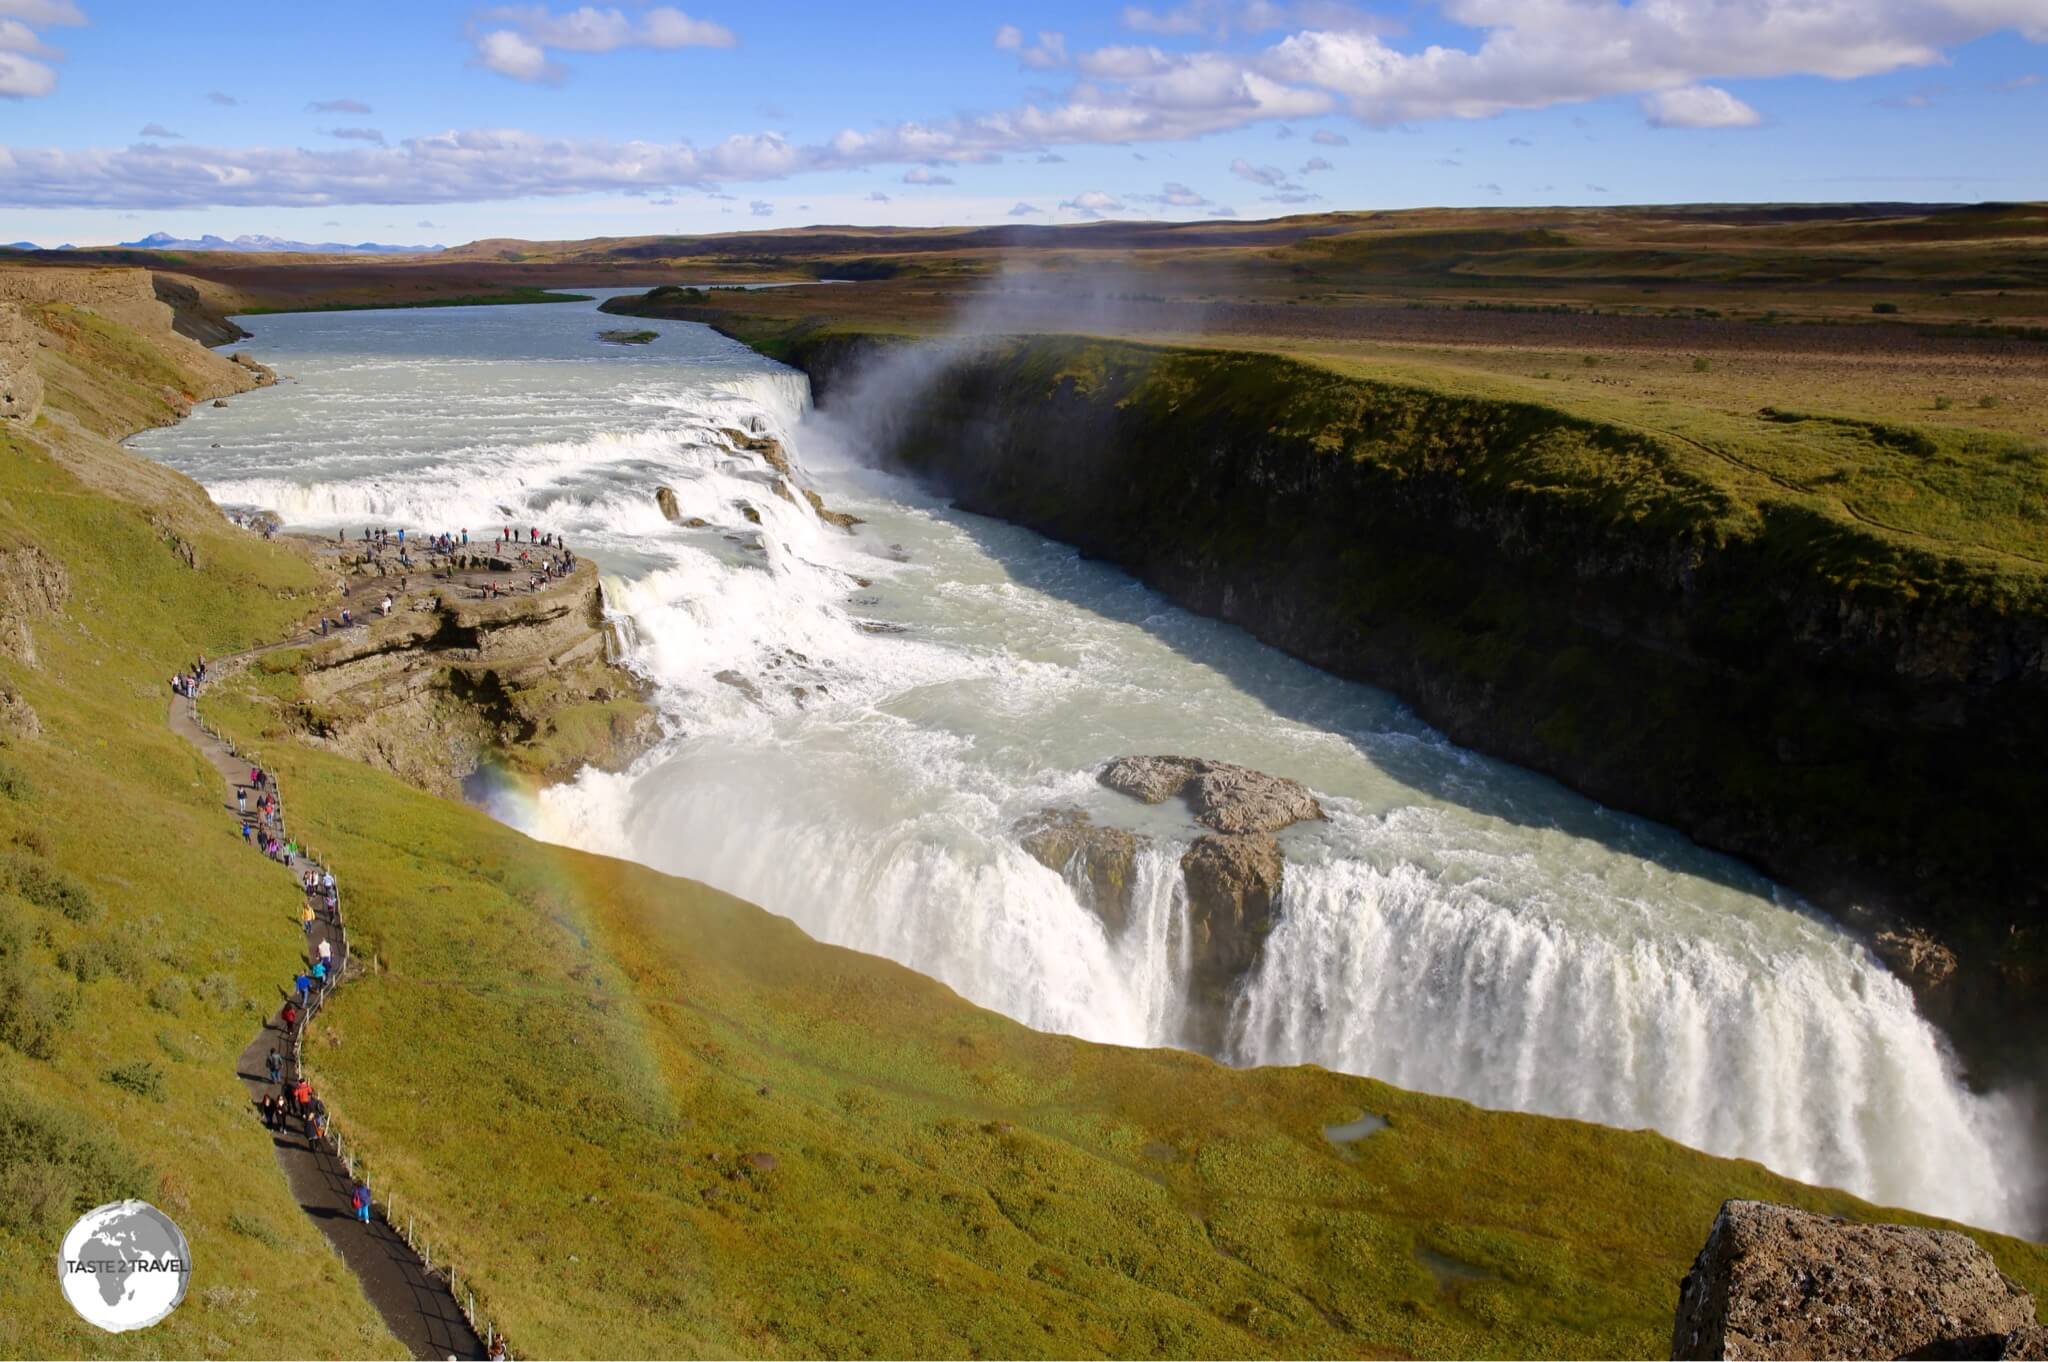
(417, 1301)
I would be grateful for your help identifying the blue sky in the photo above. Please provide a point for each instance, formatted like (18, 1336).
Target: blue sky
(429, 122)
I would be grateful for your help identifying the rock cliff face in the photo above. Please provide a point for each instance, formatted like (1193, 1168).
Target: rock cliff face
(445, 685)
(32, 585)
(1775, 1282)
(1096, 859)
(1862, 721)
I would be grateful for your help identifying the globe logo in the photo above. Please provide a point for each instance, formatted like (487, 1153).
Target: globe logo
(124, 1266)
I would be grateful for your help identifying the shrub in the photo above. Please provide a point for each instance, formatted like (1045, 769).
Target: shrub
(250, 1227)
(1988, 401)
(1943, 403)
(1884, 309)
(167, 994)
(54, 1164)
(14, 785)
(1590, 361)
(91, 960)
(48, 887)
(1701, 364)
(140, 1077)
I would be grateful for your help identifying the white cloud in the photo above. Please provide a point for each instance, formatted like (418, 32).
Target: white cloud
(511, 54)
(24, 78)
(43, 13)
(1123, 63)
(1514, 54)
(1022, 209)
(1535, 53)
(357, 135)
(15, 36)
(920, 175)
(1698, 106)
(1316, 165)
(522, 36)
(1323, 137)
(1092, 203)
(21, 75)
(347, 106)
(1048, 55)
(1172, 195)
(157, 130)
(1273, 177)
(877, 196)
(226, 101)
(761, 208)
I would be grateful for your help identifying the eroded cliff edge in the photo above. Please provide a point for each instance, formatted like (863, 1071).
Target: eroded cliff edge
(1861, 719)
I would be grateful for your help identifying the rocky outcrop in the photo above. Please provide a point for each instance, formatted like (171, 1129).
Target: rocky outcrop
(21, 387)
(33, 585)
(445, 684)
(1097, 860)
(1223, 796)
(264, 375)
(1776, 1282)
(1233, 874)
(191, 314)
(17, 718)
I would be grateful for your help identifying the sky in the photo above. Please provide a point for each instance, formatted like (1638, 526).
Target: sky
(442, 123)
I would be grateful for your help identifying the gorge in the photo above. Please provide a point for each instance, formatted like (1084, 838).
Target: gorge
(857, 719)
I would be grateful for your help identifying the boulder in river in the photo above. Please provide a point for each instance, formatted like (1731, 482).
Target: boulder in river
(665, 497)
(1221, 795)
(1777, 1282)
(1233, 874)
(1096, 859)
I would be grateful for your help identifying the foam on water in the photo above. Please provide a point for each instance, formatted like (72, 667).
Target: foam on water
(855, 723)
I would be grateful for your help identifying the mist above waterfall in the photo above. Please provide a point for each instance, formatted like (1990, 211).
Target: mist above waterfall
(857, 722)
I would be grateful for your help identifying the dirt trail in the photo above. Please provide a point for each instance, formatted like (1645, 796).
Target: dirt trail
(415, 1300)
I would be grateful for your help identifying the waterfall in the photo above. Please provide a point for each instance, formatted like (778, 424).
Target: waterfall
(857, 722)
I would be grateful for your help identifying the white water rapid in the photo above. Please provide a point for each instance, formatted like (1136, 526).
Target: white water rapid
(856, 721)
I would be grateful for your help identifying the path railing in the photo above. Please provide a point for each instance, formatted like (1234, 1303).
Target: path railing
(462, 1292)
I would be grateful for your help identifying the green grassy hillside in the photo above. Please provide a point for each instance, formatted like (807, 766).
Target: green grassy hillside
(568, 1064)
(642, 1117)
(140, 942)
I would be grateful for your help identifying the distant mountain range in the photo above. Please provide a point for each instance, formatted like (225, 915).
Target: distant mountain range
(164, 241)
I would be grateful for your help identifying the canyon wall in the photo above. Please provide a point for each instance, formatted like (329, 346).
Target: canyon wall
(1863, 721)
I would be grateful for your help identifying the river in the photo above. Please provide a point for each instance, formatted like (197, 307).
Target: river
(856, 721)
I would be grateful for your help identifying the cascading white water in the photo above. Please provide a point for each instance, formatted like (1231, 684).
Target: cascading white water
(857, 722)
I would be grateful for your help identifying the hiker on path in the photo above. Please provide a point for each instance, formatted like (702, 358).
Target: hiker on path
(290, 1017)
(326, 952)
(275, 1064)
(304, 984)
(360, 1200)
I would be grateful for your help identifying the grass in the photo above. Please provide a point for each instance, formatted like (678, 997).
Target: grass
(627, 337)
(611, 1045)
(123, 884)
